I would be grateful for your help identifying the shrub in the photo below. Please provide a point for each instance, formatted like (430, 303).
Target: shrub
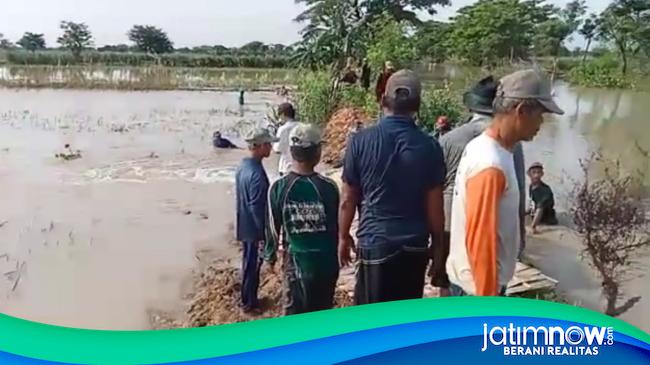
(314, 97)
(436, 103)
(356, 97)
(611, 220)
(600, 72)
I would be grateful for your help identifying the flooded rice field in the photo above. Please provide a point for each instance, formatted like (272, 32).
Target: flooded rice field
(100, 241)
(142, 78)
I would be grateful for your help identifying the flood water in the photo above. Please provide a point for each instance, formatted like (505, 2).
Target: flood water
(100, 241)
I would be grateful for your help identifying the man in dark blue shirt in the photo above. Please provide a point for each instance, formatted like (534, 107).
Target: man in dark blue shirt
(394, 174)
(252, 187)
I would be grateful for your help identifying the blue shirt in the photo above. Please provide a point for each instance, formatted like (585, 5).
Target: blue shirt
(394, 164)
(252, 186)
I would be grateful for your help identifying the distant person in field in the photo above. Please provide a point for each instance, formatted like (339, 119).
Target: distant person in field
(349, 73)
(382, 80)
(219, 142)
(543, 202)
(443, 126)
(485, 222)
(241, 98)
(365, 74)
(393, 175)
(252, 185)
(303, 211)
(287, 115)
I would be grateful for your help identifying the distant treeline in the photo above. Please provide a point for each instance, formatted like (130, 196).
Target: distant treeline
(150, 45)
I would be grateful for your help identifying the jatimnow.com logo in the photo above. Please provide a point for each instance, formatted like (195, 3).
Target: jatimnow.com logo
(547, 340)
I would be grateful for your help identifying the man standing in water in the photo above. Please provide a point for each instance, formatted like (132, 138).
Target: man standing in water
(394, 173)
(485, 223)
(303, 208)
(252, 186)
(287, 115)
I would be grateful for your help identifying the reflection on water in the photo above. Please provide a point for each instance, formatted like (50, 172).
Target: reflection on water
(613, 122)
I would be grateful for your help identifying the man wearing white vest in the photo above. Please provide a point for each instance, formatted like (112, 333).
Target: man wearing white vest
(485, 231)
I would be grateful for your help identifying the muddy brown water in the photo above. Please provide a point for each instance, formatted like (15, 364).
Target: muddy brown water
(614, 122)
(100, 241)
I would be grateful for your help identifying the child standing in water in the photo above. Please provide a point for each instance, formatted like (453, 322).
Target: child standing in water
(543, 210)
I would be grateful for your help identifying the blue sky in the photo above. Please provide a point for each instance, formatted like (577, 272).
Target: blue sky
(188, 22)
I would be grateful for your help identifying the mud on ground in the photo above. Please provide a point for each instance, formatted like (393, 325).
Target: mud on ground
(215, 299)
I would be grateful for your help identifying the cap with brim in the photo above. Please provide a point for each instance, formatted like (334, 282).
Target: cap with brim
(404, 84)
(536, 165)
(529, 84)
(260, 136)
(305, 135)
(481, 97)
(550, 106)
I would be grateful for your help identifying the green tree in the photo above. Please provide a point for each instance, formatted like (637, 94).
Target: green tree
(32, 41)
(626, 23)
(589, 30)
(76, 37)
(337, 29)
(115, 48)
(390, 42)
(400, 10)
(331, 35)
(431, 40)
(551, 34)
(489, 30)
(254, 47)
(150, 39)
(5, 43)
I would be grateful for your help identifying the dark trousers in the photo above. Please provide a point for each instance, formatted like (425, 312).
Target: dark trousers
(438, 269)
(400, 277)
(305, 292)
(251, 265)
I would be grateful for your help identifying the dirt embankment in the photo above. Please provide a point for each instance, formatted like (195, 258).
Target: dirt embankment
(215, 298)
(337, 130)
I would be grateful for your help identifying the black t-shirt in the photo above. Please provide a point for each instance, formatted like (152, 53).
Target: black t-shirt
(542, 196)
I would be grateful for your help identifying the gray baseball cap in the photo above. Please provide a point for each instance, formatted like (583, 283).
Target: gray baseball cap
(305, 135)
(404, 80)
(528, 84)
(259, 136)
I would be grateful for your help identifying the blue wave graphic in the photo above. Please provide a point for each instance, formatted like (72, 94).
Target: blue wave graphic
(457, 340)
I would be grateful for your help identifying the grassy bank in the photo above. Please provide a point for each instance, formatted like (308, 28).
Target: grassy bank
(176, 59)
(142, 78)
